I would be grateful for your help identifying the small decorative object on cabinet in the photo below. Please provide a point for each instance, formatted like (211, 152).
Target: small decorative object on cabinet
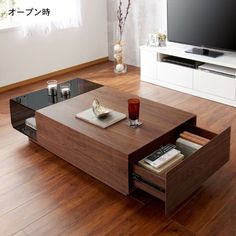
(152, 40)
(162, 39)
(119, 63)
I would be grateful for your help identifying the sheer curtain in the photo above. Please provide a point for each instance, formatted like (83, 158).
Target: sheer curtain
(62, 14)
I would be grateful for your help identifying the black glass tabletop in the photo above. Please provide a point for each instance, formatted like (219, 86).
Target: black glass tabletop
(23, 107)
(40, 99)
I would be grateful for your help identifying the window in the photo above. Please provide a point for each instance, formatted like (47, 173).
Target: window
(5, 20)
(40, 15)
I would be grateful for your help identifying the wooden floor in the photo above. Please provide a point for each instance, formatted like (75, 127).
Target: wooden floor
(41, 194)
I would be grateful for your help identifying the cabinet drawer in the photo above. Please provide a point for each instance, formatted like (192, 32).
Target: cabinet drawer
(182, 180)
(175, 74)
(215, 84)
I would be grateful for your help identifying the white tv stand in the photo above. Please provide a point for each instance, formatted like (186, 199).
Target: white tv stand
(214, 80)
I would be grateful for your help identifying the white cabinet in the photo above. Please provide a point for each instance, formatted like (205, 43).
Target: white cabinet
(174, 74)
(214, 80)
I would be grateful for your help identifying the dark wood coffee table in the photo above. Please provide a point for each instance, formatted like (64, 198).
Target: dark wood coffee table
(111, 154)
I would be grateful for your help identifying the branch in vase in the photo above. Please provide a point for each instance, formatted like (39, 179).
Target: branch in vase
(121, 19)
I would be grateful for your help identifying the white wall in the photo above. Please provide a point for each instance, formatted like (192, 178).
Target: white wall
(145, 16)
(25, 58)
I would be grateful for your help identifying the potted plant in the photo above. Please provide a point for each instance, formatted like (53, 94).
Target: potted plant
(162, 39)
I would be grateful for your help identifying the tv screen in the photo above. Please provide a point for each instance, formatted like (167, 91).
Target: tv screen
(203, 23)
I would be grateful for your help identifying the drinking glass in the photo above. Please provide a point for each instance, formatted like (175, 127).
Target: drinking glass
(65, 90)
(52, 87)
(133, 109)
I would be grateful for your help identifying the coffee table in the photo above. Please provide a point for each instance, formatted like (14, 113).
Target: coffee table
(111, 154)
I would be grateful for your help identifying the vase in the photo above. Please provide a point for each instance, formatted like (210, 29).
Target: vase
(119, 60)
(162, 43)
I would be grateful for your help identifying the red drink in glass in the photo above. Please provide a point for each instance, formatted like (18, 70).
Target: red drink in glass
(133, 108)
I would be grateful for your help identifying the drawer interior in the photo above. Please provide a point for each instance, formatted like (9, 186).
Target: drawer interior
(181, 180)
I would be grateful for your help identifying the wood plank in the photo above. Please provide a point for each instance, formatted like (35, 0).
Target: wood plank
(145, 221)
(223, 223)
(71, 183)
(14, 178)
(28, 190)
(18, 159)
(209, 200)
(75, 217)
(173, 228)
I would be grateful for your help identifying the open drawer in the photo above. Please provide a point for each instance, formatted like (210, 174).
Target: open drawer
(181, 181)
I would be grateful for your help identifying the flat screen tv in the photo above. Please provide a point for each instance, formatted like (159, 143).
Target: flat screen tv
(207, 24)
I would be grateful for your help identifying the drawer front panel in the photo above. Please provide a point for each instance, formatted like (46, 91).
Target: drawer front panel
(174, 74)
(214, 84)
